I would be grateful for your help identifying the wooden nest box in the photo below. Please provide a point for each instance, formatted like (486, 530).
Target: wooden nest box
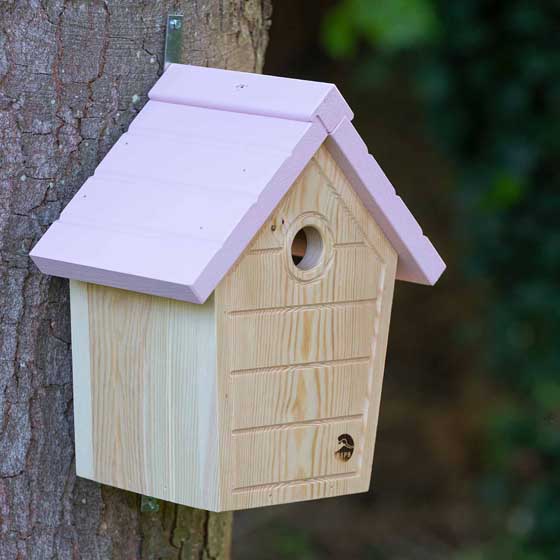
(232, 263)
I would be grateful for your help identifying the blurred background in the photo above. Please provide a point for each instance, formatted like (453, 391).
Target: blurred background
(459, 103)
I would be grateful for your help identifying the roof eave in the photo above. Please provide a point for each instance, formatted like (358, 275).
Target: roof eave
(419, 261)
(115, 279)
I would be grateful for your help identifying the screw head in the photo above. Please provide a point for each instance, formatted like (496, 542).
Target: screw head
(175, 23)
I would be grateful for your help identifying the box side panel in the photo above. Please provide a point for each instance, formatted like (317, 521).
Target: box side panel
(153, 365)
(301, 351)
(81, 378)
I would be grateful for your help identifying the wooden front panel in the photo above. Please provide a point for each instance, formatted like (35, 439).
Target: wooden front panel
(293, 453)
(299, 393)
(268, 268)
(301, 353)
(301, 335)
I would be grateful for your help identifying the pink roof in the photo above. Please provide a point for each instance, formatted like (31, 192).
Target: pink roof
(180, 196)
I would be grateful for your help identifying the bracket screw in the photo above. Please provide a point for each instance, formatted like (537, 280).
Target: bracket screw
(174, 23)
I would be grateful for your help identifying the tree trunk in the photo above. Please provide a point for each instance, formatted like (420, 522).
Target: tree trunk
(73, 74)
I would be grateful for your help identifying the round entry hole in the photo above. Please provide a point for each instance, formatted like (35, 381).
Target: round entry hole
(307, 248)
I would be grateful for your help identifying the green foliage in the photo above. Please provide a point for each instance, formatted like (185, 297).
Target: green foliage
(386, 24)
(490, 83)
(505, 190)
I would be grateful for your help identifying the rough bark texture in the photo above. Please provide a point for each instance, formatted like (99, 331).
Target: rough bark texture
(73, 74)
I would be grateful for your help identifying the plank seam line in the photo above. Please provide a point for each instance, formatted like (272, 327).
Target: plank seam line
(295, 308)
(286, 368)
(112, 175)
(187, 138)
(276, 250)
(297, 424)
(350, 245)
(279, 485)
(266, 251)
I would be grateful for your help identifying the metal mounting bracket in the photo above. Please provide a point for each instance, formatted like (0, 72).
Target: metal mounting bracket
(173, 40)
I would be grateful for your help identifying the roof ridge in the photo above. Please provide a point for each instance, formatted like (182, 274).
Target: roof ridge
(252, 94)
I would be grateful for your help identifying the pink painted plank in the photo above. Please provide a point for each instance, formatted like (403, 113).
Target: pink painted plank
(170, 215)
(180, 196)
(150, 263)
(418, 260)
(242, 92)
(171, 208)
(156, 159)
(196, 124)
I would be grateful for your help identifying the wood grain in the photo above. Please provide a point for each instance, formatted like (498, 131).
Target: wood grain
(268, 267)
(294, 336)
(299, 393)
(81, 379)
(153, 395)
(301, 355)
(286, 453)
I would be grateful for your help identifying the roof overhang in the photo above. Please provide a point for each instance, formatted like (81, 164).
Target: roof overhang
(180, 196)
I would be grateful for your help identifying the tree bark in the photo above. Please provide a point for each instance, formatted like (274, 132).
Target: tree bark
(73, 74)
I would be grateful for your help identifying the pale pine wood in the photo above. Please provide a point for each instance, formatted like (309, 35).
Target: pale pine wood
(301, 334)
(152, 372)
(292, 453)
(81, 379)
(240, 402)
(316, 391)
(268, 268)
(301, 354)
